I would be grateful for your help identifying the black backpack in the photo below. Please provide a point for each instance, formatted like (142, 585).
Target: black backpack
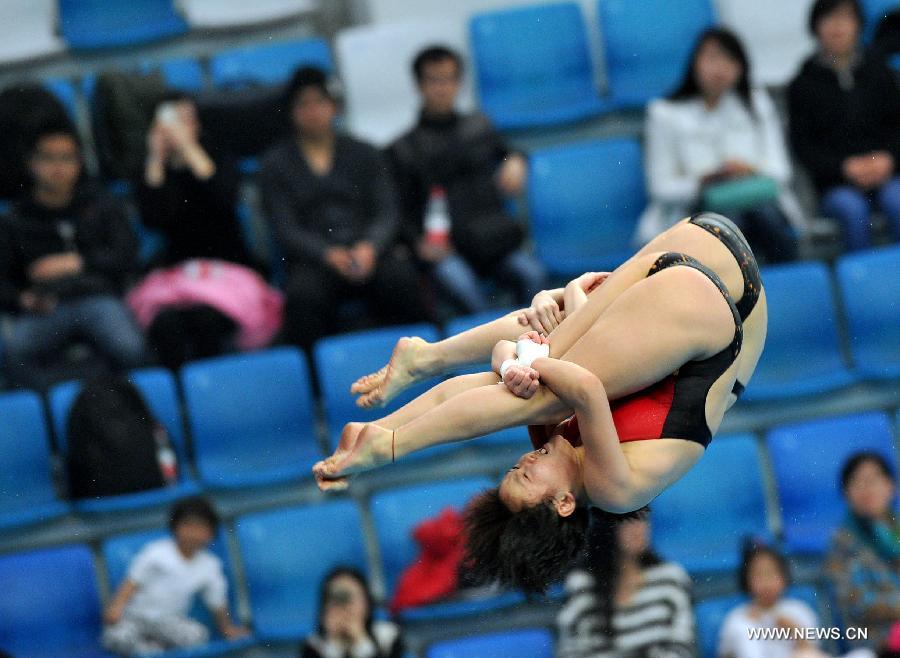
(121, 115)
(115, 444)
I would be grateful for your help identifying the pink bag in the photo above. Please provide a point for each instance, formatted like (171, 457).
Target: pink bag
(233, 290)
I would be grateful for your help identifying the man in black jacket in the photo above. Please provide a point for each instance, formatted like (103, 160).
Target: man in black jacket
(845, 123)
(332, 203)
(64, 254)
(465, 158)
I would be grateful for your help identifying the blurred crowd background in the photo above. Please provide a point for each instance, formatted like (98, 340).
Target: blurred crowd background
(216, 215)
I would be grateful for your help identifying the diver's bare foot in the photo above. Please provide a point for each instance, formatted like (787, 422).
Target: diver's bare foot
(368, 383)
(348, 438)
(401, 372)
(373, 448)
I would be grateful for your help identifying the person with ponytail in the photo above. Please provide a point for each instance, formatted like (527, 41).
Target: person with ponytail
(864, 560)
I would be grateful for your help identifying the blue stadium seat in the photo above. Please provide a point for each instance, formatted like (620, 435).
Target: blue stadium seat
(533, 66)
(118, 553)
(49, 604)
(585, 200)
(65, 92)
(807, 459)
(870, 286)
(93, 24)
(875, 11)
(269, 64)
(397, 512)
(183, 73)
(802, 355)
(158, 389)
(252, 418)
(707, 537)
(341, 360)
(286, 554)
(710, 613)
(27, 494)
(647, 45)
(530, 643)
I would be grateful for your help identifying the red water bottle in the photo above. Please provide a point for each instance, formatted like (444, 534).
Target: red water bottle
(437, 218)
(168, 462)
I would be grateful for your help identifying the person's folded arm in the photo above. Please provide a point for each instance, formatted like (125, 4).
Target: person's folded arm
(614, 481)
(297, 242)
(608, 478)
(385, 221)
(112, 247)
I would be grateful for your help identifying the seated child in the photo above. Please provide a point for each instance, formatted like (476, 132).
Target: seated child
(149, 612)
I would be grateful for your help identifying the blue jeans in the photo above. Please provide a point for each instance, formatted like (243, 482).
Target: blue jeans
(519, 269)
(853, 208)
(101, 321)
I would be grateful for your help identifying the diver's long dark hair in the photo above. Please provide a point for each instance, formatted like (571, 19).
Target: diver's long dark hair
(602, 558)
(529, 550)
(689, 88)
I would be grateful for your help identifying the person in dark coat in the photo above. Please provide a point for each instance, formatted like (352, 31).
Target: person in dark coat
(845, 123)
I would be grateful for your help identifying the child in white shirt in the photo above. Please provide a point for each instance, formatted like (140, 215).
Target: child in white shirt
(149, 612)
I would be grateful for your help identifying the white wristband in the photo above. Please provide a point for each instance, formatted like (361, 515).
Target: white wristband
(506, 365)
(527, 351)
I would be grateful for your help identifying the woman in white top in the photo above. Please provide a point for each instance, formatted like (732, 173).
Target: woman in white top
(764, 576)
(715, 129)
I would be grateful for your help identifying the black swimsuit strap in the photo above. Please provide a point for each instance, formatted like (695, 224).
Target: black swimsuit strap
(730, 235)
(675, 259)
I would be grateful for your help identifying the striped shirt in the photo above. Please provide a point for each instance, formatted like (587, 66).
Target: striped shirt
(658, 621)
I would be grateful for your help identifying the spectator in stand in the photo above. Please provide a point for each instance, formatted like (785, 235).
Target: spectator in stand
(845, 123)
(345, 626)
(764, 576)
(864, 560)
(189, 191)
(460, 163)
(332, 203)
(716, 144)
(624, 600)
(65, 254)
(149, 612)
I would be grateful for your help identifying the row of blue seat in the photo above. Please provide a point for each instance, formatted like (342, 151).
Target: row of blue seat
(233, 68)
(533, 64)
(285, 552)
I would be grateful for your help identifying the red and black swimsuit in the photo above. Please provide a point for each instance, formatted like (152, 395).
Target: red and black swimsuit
(674, 407)
(730, 235)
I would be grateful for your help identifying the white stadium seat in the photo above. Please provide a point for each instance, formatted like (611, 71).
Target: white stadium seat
(775, 34)
(375, 63)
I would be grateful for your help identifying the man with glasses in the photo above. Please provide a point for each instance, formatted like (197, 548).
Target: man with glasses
(460, 162)
(65, 253)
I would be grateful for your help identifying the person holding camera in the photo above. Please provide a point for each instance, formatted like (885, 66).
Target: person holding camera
(189, 191)
(345, 626)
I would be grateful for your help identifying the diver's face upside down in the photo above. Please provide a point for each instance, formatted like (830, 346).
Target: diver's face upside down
(551, 473)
